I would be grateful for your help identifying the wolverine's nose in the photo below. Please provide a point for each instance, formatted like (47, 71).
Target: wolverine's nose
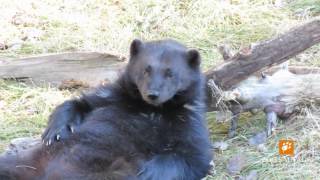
(153, 95)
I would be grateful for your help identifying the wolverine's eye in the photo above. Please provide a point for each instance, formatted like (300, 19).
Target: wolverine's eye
(148, 70)
(168, 73)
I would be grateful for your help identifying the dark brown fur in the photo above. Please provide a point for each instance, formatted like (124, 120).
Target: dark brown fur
(147, 125)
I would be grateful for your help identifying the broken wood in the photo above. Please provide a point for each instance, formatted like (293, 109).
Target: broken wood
(299, 70)
(259, 56)
(265, 54)
(281, 95)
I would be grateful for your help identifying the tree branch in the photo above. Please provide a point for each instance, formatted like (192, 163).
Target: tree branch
(255, 58)
(265, 54)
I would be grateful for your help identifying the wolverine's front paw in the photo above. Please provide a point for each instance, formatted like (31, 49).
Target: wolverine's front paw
(57, 133)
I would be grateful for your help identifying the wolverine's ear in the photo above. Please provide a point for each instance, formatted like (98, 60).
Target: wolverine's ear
(135, 47)
(194, 58)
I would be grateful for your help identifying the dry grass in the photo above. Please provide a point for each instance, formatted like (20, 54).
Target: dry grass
(24, 110)
(109, 25)
(56, 26)
(303, 128)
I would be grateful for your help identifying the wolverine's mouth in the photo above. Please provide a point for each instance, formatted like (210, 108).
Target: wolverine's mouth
(152, 102)
(154, 97)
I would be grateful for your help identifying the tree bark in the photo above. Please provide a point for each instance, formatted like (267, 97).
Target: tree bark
(261, 55)
(265, 54)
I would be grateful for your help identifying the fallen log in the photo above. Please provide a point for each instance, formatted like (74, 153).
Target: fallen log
(265, 54)
(94, 68)
(71, 69)
(259, 56)
(281, 95)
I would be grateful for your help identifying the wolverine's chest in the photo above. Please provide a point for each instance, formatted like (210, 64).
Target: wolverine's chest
(159, 131)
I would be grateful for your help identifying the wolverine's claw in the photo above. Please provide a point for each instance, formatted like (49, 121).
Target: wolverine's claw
(57, 137)
(71, 129)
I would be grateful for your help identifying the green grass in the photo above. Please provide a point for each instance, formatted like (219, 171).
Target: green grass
(306, 7)
(24, 110)
(110, 26)
(269, 164)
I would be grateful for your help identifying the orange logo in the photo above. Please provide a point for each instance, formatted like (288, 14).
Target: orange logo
(286, 147)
